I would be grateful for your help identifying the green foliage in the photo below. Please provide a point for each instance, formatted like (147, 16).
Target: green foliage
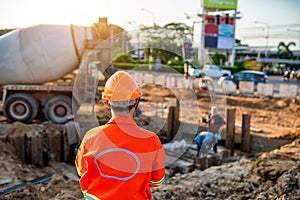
(196, 63)
(124, 58)
(219, 58)
(178, 68)
(238, 67)
(238, 42)
(126, 65)
(145, 67)
(161, 48)
(175, 61)
(284, 51)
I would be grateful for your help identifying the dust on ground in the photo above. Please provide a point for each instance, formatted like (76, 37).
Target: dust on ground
(266, 175)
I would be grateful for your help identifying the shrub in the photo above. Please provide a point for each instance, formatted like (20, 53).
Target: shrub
(124, 58)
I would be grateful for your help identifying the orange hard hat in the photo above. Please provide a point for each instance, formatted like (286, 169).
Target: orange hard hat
(121, 87)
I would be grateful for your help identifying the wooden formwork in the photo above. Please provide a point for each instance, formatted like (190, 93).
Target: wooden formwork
(41, 146)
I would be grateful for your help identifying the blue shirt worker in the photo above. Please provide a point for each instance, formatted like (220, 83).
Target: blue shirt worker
(207, 139)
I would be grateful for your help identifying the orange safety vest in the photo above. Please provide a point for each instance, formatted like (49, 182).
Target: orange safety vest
(120, 160)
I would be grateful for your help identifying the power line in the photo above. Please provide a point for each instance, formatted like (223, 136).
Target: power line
(270, 26)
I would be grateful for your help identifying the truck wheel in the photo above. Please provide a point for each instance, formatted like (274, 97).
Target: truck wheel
(20, 107)
(58, 108)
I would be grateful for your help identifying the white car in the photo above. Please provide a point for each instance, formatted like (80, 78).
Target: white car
(212, 71)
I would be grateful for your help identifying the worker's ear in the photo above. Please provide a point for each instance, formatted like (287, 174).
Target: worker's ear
(107, 103)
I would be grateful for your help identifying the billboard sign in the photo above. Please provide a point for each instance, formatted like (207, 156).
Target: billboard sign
(221, 4)
(219, 32)
(226, 30)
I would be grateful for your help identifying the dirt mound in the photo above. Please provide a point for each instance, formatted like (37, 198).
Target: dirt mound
(277, 117)
(274, 175)
(56, 188)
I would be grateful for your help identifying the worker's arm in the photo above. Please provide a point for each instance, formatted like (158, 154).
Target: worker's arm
(158, 173)
(80, 162)
(157, 178)
(84, 152)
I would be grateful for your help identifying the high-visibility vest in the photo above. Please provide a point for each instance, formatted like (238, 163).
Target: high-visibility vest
(120, 160)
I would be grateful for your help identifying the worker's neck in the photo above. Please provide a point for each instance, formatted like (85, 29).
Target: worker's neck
(122, 113)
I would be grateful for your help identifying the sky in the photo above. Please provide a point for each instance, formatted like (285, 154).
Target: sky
(277, 15)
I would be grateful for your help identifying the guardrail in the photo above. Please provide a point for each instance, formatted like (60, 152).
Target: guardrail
(262, 89)
(228, 87)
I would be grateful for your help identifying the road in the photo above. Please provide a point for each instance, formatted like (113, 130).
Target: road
(279, 79)
(275, 80)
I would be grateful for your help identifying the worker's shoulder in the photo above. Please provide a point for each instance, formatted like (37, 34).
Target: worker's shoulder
(92, 132)
(147, 133)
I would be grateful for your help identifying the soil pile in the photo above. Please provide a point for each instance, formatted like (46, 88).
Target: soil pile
(273, 175)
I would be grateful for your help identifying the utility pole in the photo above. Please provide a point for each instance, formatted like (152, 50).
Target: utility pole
(143, 9)
(267, 35)
(201, 49)
(235, 17)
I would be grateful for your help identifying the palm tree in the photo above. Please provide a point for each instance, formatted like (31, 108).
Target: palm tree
(284, 51)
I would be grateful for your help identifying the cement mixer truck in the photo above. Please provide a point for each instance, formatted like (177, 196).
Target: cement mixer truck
(33, 61)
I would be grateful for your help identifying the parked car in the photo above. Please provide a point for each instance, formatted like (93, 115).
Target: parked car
(246, 75)
(212, 71)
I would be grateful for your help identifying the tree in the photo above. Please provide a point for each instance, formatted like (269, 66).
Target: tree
(219, 58)
(166, 41)
(239, 43)
(283, 50)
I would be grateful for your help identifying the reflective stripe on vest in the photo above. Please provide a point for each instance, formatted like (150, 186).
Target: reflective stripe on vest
(88, 196)
(112, 150)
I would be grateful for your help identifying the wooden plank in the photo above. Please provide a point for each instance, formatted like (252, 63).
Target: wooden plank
(1, 106)
(171, 123)
(19, 145)
(54, 144)
(36, 150)
(212, 161)
(224, 154)
(230, 130)
(65, 149)
(176, 118)
(246, 137)
(203, 163)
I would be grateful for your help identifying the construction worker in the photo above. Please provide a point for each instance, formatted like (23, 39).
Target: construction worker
(120, 160)
(70, 130)
(207, 139)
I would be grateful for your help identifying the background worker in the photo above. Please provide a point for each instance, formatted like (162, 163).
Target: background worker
(70, 130)
(120, 160)
(208, 139)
